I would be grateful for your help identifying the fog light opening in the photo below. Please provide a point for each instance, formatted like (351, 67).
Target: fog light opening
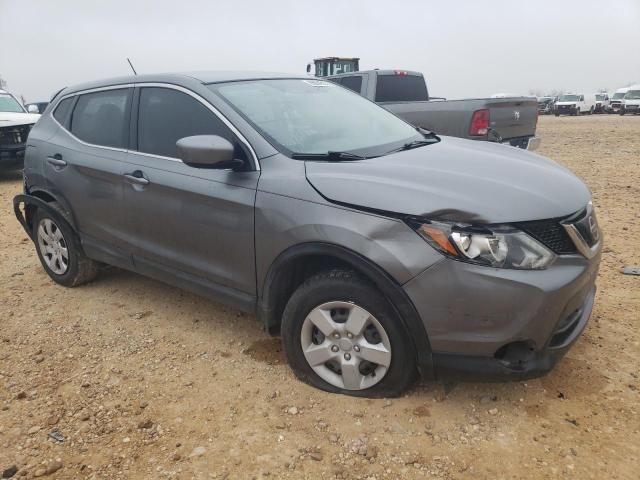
(516, 354)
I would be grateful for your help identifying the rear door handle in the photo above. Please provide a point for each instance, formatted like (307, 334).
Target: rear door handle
(56, 160)
(136, 177)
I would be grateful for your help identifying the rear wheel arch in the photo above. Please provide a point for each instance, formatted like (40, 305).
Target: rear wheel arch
(296, 264)
(61, 206)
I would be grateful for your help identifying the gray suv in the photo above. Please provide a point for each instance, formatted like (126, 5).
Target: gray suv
(377, 251)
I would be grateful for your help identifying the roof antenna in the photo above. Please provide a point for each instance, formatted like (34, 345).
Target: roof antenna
(131, 65)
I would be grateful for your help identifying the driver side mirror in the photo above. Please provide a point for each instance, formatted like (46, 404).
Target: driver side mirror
(207, 151)
(33, 109)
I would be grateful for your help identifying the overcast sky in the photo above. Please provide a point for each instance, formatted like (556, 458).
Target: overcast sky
(465, 48)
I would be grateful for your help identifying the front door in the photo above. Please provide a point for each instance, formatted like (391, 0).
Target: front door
(184, 220)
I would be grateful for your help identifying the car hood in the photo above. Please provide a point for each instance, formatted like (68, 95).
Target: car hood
(456, 180)
(10, 119)
(568, 102)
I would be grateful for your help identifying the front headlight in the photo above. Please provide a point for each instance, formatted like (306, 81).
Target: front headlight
(500, 247)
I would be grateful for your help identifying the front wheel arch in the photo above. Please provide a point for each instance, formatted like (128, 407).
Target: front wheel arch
(277, 290)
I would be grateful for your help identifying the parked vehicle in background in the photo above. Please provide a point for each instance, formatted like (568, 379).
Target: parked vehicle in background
(602, 102)
(631, 101)
(575, 104)
(546, 105)
(510, 121)
(15, 125)
(376, 250)
(616, 100)
(36, 107)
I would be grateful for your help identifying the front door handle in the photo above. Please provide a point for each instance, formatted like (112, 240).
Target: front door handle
(56, 160)
(136, 177)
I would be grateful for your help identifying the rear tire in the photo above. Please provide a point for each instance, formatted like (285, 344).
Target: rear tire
(59, 249)
(339, 301)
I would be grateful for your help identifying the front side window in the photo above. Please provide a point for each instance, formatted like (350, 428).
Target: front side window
(632, 95)
(166, 115)
(9, 104)
(401, 88)
(315, 116)
(101, 118)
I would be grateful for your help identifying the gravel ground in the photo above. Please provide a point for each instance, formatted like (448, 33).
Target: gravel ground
(142, 380)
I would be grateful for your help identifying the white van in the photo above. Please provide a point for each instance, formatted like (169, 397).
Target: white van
(616, 100)
(602, 102)
(575, 104)
(631, 101)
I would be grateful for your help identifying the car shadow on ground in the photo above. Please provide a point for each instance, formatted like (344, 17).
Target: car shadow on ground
(10, 175)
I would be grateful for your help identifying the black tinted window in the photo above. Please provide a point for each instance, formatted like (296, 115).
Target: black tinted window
(61, 113)
(166, 116)
(353, 83)
(101, 118)
(400, 88)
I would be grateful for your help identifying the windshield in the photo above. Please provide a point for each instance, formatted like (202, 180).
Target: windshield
(316, 117)
(632, 95)
(9, 104)
(618, 95)
(569, 98)
(600, 97)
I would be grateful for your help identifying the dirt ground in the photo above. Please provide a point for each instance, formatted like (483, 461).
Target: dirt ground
(142, 380)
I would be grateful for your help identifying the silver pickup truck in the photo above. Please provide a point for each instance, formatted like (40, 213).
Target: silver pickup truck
(510, 120)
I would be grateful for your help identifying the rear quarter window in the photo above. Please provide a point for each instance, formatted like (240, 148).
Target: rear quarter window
(401, 88)
(102, 118)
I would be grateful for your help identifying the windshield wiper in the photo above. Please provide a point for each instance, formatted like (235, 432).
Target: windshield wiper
(330, 156)
(412, 145)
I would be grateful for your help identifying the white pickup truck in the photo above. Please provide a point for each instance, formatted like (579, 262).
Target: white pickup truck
(510, 120)
(15, 124)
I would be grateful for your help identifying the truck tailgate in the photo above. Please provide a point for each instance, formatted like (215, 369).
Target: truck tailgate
(513, 117)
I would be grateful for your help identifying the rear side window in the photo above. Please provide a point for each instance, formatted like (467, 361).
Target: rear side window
(353, 83)
(166, 115)
(101, 118)
(61, 113)
(401, 88)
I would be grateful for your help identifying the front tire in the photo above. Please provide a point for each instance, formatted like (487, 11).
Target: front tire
(341, 335)
(59, 249)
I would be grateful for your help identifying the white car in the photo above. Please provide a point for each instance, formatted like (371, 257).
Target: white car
(602, 102)
(15, 124)
(616, 100)
(575, 104)
(631, 101)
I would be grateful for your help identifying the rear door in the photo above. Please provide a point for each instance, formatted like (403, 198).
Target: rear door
(183, 219)
(83, 166)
